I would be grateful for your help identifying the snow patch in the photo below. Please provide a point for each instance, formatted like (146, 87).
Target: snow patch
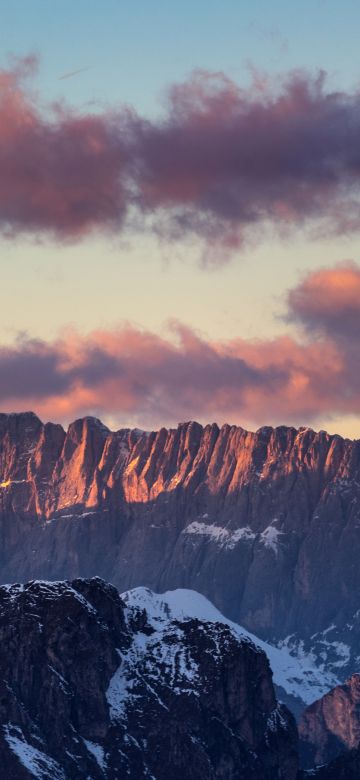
(64, 685)
(35, 761)
(163, 652)
(218, 534)
(98, 752)
(270, 538)
(297, 673)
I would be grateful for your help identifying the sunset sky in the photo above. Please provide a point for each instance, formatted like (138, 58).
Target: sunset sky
(180, 212)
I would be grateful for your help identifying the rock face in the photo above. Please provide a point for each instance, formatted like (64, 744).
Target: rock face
(94, 688)
(331, 724)
(251, 520)
(344, 767)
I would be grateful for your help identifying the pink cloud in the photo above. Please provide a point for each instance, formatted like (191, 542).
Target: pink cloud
(140, 377)
(60, 171)
(328, 301)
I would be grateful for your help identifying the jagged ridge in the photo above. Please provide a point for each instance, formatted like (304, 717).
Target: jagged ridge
(85, 465)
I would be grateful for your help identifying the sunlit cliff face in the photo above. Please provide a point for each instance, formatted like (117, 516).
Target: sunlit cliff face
(49, 472)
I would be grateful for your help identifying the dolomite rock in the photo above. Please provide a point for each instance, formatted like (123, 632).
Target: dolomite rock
(331, 725)
(93, 688)
(265, 524)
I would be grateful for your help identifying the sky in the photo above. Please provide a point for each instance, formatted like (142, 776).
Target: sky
(180, 212)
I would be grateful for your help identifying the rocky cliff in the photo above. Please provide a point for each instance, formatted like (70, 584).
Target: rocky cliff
(331, 725)
(266, 524)
(95, 688)
(345, 767)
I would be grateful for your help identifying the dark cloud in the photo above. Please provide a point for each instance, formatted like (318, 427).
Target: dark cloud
(30, 369)
(222, 163)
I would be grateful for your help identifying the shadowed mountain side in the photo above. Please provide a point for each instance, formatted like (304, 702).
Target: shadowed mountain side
(344, 767)
(252, 520)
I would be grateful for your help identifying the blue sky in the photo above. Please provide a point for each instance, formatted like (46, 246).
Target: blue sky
(134, 49)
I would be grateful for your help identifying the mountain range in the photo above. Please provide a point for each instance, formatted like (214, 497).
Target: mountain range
(265, 525)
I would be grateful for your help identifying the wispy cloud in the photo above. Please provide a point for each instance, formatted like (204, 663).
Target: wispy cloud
(71, 73)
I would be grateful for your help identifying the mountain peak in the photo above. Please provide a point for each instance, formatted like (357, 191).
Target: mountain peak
(122, 715)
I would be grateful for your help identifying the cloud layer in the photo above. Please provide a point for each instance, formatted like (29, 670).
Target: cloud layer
(327, 302)
(222, 163)
(141, 378)
(60, 172)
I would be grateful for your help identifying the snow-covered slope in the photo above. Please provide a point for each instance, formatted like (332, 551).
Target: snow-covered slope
(297, 674)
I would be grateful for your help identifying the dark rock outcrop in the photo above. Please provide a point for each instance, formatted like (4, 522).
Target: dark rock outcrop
(91, 688)
(251, 520)
(331, 725)
(345, 767)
